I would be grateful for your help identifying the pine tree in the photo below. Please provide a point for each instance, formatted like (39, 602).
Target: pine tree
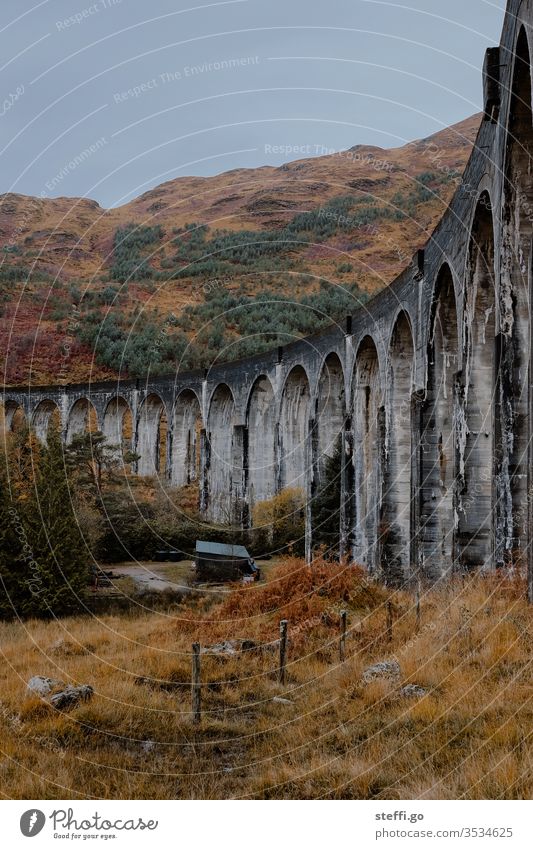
(14, 585)
(55, 535)
(53, 577)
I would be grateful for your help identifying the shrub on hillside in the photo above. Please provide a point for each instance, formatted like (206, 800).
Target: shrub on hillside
(301, 593)
(279, 523)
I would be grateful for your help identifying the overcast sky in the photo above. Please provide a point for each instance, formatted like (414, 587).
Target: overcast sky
(160, 89)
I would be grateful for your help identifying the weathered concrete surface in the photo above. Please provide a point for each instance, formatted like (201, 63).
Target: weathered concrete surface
(428, 385)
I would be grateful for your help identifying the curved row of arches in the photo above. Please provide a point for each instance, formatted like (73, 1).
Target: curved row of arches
(432, 422)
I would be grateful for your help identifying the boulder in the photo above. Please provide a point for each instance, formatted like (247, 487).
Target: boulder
(71, 696)
(413, 691)
(389, 669)
(41, 686)
(68, 648)
(227, 647)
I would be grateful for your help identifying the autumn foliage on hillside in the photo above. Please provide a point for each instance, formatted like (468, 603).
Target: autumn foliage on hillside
(203, 267)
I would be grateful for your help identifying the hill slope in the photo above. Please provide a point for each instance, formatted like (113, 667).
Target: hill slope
(186, 260)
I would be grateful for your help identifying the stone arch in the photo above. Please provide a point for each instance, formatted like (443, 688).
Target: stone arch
(438, 435)
(45, 413)
(330, 408)
(152, 437)
(294, 431)
(369, 432)
(328, 447)
(14, 416)
(219, 462)
(186, 432)
(476, 432)
(117, 424)
(261, 482)
(81, 418)
(512, 400)
(397, 521)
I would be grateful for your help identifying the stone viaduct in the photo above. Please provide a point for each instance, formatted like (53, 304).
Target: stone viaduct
(428, 385)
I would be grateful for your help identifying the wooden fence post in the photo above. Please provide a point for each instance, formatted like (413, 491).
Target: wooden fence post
(342, 642)
(196, 686)
(282, 650)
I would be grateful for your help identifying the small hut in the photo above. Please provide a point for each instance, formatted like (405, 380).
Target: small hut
(218, 562)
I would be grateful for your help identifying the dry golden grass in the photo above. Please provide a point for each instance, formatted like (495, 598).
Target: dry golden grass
(469, 737)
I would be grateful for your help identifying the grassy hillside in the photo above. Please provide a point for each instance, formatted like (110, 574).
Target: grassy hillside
(167, 279)
(335, 735)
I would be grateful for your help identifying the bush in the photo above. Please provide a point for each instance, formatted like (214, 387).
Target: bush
(279, 523)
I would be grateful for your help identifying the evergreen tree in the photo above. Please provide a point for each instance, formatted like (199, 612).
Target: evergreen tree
(43, 559)
(55, 536)
(14, 584)
(90, 455)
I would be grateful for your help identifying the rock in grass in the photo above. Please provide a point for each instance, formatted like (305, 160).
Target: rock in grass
(413, 691)
(228, 647)
(71, 696)
(386, 669)
(42, 686)
(281, 701)
(231, 647)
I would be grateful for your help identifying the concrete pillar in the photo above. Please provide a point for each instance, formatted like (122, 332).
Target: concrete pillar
(368, 426)
(475, 533)
(529, 557)
(514, 407)
(310, 485)
(237, 494)
(347, 518)
(205, 459)
(397, 462)
(417, 406)
(441, 426)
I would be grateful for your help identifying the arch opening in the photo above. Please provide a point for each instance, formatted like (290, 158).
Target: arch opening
(437, 485)
(186, 437)
(14, 417)
(152, 438)
(329, 423)
(294, 431)
(261, 428)
(118, 426)
(82, 418)
(220, 499)
(44, 416)
(369, 432)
